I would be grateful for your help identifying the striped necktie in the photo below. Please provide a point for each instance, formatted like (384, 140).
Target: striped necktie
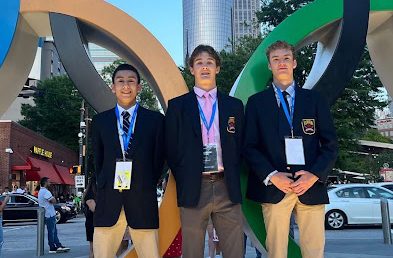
(126, 126)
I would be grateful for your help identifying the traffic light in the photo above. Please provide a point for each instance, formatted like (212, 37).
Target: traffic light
(77, 169)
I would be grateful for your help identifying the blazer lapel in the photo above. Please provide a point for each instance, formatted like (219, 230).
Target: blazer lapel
(223, 116)
(273, 109)
(115, 132)
(298, 111)
(139, 122)
(192, 112)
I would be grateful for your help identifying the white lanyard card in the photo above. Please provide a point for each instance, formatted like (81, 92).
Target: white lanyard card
(123, 174)
(294, 151)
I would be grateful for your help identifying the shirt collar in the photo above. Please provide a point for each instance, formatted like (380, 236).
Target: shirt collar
(290, 90)
(130, 110)
(199, 92)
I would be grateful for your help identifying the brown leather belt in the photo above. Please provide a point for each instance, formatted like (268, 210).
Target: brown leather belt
(213, 176)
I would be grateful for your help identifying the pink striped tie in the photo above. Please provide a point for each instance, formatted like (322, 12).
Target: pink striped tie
(207, 111)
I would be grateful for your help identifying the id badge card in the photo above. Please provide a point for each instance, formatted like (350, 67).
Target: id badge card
(294, 151)
(210, 163)
(123, 174)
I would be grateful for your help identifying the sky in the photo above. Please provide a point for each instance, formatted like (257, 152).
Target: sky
(164, 19)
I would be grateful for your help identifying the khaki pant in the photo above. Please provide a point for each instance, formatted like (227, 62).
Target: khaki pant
(214, 202)
(310, 219)
(107, 240)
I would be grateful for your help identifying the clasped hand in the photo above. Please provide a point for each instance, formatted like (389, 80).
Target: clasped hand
(284, 181)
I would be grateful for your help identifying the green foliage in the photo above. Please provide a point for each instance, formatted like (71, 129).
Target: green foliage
(374, 135)
(146, 97)
(381, 159)
(56, 111)
(273, 12)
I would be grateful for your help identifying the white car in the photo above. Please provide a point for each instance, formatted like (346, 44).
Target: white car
(356, 204)
(387, 185)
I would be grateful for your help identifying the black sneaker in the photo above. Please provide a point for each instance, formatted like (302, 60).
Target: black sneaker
(63, 249)
(53, 250)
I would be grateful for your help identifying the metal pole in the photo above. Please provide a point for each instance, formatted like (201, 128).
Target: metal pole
(86, 139)
(81, 132)
(387, 233)
(40, 231)
(82, 126)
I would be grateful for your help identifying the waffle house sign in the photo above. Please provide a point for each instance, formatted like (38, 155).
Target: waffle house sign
(42, 152)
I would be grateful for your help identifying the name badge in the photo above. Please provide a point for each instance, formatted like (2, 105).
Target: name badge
(294, 151)
(123, 174)
(210, 163)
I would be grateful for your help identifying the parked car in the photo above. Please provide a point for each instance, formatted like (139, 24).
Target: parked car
(387, 185)
(356, 204)
(23, 208)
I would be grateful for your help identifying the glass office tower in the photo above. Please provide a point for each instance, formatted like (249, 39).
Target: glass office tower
(207, 22)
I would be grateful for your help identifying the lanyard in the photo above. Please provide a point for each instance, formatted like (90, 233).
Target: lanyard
(128, 137)
(286, 111)
(208, 126)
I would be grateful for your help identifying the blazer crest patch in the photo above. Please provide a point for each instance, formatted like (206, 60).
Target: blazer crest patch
(231, 124)
(308, 126)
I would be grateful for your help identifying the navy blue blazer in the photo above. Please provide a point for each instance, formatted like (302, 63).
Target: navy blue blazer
(183, 137)
(264, 148)
(147, 153)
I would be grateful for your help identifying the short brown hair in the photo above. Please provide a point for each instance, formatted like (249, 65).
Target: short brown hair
(204, 48)
(280, 44)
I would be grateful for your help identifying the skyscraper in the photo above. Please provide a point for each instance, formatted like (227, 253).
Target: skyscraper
(245, 19)
(101, 57)
(218, 23)
(207, 22)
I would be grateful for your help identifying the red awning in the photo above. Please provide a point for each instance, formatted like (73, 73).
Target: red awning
(40, 169)
(64, 173)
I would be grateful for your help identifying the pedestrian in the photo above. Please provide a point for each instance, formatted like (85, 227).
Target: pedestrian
(290, 147)
(6, 190)
(2, 206)
(47, 201)
(128, 154)
(203, 146)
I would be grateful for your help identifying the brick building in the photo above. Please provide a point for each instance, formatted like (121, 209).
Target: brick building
(26, 156)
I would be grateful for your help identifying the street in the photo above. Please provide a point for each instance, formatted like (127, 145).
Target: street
(353, 242)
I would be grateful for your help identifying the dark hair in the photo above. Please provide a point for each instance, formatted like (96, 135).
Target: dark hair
(280, 44)
(126, 67)
(204, 48)
(43, 181)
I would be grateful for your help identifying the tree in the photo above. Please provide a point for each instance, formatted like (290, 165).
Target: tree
(353, 112)
(56, 111)
(373, 135)
(385, 158)
(146, 97)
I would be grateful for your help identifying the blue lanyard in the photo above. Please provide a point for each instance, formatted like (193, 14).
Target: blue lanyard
(284, 106)
(208, 126)
(128, 137)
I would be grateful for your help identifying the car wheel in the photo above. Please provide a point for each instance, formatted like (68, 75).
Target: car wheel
(335, 219)
(59, 217)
